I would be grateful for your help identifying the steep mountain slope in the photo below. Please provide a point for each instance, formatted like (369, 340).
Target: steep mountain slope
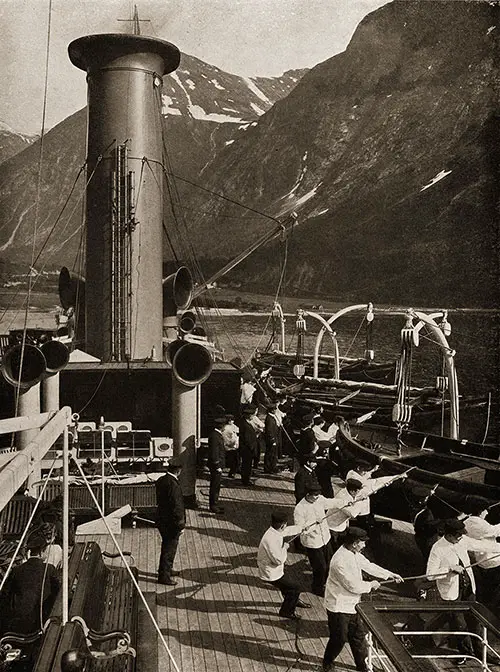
(12, 142)
(204, 108)
(389, 154)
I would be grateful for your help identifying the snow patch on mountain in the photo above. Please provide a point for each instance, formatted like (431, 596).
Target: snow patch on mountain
(167, 108)
(257, 109)
(437, 178)
(255, 89)
(198, 112)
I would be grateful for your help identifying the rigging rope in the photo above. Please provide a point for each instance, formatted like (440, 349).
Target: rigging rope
(37, 204)
(127, 567)
(51, 231)
(26, 529)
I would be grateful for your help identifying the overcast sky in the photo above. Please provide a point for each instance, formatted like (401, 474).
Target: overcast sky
(245, 37)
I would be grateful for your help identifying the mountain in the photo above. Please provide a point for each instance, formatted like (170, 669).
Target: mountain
(12, 142)
(388, 153)
(204, 109)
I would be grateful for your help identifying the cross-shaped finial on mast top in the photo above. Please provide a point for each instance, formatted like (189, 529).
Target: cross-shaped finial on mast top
(135, 21)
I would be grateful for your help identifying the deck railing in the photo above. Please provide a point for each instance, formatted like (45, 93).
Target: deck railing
(395, 645)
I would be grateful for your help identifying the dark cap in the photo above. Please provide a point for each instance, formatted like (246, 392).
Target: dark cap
(420, 492)
(36, 540)
(175, 461)
(454, 526)
(278, 518)
(476, 505)
(355, 534)
(248, 409)
(219, 411)
(313, 489)
(353, 484)
(310, 457)
(220, 420)
(307, 419)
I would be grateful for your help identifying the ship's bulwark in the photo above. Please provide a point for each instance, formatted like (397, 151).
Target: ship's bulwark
(139, 392)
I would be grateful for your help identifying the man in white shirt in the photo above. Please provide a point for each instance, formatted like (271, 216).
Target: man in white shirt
(310, 516)
(344, 587)
(348, 505)
(449, 566)
(324, 436)
(271, 557)
(488, 562)
(364, 475)
(247, 387)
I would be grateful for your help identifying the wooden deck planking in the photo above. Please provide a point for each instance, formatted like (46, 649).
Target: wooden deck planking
(220, 617)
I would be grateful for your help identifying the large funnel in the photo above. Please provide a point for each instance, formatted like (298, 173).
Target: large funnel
(124, 194)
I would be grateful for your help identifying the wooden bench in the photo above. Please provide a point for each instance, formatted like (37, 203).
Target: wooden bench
(103, 604)
(114, 612)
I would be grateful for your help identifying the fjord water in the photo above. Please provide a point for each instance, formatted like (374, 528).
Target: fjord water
(475, 337)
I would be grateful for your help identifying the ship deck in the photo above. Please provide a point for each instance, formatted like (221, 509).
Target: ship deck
(220, 616)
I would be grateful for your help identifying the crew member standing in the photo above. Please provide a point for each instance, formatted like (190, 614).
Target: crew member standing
(307, 440)
(248, 443)
(216, 463)
(272, 435)
(230, 434)
(427, 528)
(170, 519)
(305, 477)
(344, 587)
(488, 563)
(310, 516)
(347, 506)
(370, 485)
(449, 566)
(271, 558)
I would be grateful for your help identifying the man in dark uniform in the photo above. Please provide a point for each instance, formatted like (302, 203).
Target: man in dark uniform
(427, 528)
(272, 435)
(305, 477)
(307, 440)
(170, 519)
(216, 463)
(248, 443)
(27, 585)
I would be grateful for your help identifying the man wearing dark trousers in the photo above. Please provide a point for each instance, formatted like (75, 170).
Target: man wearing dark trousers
(216, 463)
(271, 558)
(304, 477)
(170, 519)
(272, 435)
(344, 587)
(310, 516)
(248, 443)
